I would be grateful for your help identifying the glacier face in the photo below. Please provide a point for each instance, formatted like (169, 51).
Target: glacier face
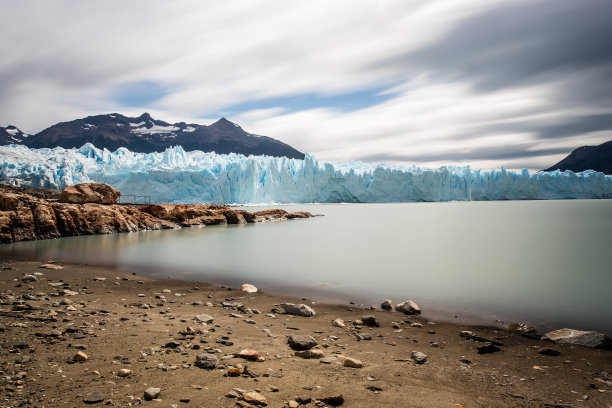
(177, 176)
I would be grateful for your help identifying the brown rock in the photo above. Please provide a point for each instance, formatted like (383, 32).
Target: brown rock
(249, 354)
(90, 193)
(255, 398)
(80, 356)
(233, 372)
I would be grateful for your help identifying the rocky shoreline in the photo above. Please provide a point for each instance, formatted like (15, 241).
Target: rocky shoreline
(29, 214)
(77, 335)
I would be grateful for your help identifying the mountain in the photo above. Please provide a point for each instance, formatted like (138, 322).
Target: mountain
(145, 134)
(11, 135)
(598, 158)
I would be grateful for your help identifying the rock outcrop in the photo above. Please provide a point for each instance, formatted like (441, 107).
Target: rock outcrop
(28, 216)
(90, 193)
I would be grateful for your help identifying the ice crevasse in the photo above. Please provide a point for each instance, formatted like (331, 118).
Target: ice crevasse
(177, 176)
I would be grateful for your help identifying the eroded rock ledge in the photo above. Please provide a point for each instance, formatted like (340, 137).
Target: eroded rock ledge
(27, 214)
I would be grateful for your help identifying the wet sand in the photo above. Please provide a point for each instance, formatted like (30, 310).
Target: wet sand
(122, 321)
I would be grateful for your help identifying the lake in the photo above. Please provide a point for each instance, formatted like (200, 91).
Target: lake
(547, 263)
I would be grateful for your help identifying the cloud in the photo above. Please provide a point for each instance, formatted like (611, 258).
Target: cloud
(515, 83)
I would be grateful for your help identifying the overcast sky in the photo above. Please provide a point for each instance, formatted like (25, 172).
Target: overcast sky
(429, 82)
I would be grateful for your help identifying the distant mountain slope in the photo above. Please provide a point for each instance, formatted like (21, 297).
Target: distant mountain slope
(11, 135)
(145, 134)
(598, 158)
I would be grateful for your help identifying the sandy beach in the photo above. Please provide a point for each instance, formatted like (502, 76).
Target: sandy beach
(92, 335)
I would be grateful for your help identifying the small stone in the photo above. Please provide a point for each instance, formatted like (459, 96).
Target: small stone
(334, 400)
(249, 354)
(352, 362)
(206, 360)
(408, 307)
(248, 288)
(328, 360)
(51, 266)
(233, 372)
(204, 318)
(298, 310)
(466, 334)
(124, 372)
(293, 404)
(28, 278)
(310, 354)
(152, 393)
(94, 397)
(386, 305)
(338, 323)
(256, 398)
(301, 342)
(417, 325)
(418, 357)
(547, 351)
(370, 321)
(80, 356)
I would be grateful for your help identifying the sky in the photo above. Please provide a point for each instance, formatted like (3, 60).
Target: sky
(489, 83)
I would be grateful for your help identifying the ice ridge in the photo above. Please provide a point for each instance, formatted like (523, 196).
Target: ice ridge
(194, 177)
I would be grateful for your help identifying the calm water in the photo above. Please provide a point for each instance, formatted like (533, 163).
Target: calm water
(547, 263)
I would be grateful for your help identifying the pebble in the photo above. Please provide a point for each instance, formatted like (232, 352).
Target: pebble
(80, 356)
(29, 278)
(352, 362)
(246, 287)
(386, 305)
(256, 398)
(298, 310)
(301, 342)
(124, 372)
(328, 360)
(249, 354)
(370, 321)
(206, 360)
(310, 354)
(418, 357)
(94, 397)
(338, 323)
(408, 307)
(152, 393)
(204, 318)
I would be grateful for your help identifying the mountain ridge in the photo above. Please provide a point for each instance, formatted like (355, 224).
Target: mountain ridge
(598, 158)
(145, 134)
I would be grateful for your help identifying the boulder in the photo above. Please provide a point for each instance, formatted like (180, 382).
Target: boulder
(298, 310)
(90, 193)
(579, 337)
(301, 342)
(408, 307)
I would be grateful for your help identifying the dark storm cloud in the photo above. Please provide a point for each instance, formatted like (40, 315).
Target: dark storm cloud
(521, 42)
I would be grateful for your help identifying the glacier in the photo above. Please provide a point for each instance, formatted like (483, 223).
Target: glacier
(176, 176)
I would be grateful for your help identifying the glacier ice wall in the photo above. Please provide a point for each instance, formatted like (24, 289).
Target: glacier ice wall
(194, 177)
